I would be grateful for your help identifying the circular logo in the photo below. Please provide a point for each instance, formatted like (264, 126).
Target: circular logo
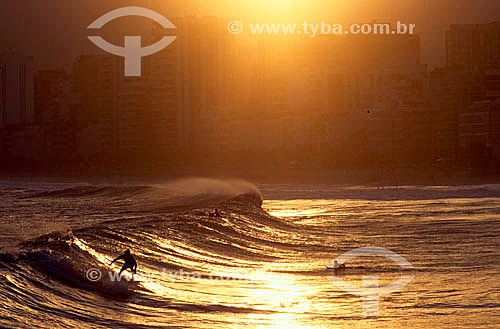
(132, 51)
(94, 275)
(370, 291)
(235, 27)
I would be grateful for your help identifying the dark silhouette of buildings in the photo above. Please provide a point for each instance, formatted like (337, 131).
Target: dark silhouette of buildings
(18, 135)
(473, 46)
(211, 99)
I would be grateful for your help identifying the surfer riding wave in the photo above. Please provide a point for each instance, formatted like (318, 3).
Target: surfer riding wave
(130, 262)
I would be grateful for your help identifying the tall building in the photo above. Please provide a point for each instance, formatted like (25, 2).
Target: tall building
(55, 113)
(19, 138)
(166, 111)
(473, 46)
(491, 83)
(193, 76)
(133, 118)
(52, 90)
(16, 90)
(479, 134)
(95, 85)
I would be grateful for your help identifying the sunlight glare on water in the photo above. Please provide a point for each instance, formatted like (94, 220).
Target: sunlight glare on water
(249, 269)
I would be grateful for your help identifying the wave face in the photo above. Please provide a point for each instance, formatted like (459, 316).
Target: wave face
(247, 267)
(169, 228)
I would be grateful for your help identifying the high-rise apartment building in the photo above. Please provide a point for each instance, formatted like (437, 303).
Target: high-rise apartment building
(473, 46)
(193, 76)
(16, 90)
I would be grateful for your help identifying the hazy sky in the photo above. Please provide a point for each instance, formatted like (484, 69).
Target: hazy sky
(54, 31)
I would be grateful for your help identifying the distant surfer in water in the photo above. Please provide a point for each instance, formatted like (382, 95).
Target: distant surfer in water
(216, 213)
(130, 262)
(336, 266)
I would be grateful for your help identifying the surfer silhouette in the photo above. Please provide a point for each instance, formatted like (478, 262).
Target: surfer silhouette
(336, 266)
(216, 213)
(130, 262)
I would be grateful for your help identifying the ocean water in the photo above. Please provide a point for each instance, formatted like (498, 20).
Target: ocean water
(260, 265)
